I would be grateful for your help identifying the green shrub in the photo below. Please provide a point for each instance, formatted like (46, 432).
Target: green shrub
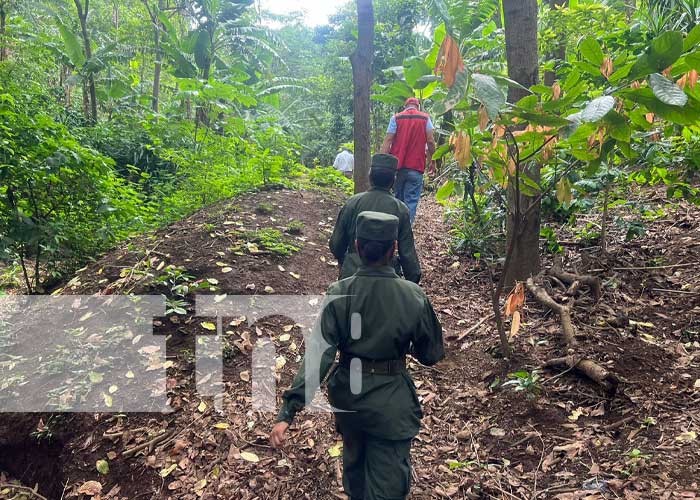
(59, 201)
(328, 177)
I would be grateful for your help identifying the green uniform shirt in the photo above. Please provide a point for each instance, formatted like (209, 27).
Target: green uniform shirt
(396, 319)
(342, 242)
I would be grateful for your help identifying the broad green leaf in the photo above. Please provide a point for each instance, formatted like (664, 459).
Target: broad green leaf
(597, 108)
(592, 51)
(529, 102)
(424, 81)
(441, 151)
(681, 115)
(71, 42)
(202, 50)
(455, 94)
(665, 49)
(692, 39)
(618, 128)
(182, 67)
(445, 190)
(507, 81)
(621, 73)
(489, 94)
(531, 187)
(667, 91)
(415, 68)
(438, 37)
(641, 68)
(693, 60)
(587, 67)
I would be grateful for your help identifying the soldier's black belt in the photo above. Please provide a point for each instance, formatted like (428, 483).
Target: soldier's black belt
(387, 367)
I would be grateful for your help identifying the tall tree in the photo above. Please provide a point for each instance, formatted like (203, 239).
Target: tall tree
(520, 18)
(361, 60)
(82, 16)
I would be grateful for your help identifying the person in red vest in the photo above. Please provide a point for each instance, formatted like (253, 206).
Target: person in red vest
(409, 137)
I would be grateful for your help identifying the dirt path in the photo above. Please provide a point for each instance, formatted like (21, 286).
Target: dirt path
(480, 439)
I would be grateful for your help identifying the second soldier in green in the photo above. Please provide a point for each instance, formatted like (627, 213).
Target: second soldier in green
(374, 319)
(378, 199)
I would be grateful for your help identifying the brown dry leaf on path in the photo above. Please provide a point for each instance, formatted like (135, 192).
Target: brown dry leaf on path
(90, 488)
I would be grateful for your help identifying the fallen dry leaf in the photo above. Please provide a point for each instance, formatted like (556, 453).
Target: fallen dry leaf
(90, 488)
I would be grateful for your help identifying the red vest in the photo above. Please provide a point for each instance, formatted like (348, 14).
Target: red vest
(411, 139)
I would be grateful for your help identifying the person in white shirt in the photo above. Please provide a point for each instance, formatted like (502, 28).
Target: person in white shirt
(345, 162)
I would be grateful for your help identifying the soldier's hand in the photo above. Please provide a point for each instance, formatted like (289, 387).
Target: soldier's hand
(278, 434)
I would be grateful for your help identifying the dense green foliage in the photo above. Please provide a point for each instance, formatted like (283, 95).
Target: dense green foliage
(195, 101)
(618, 104)
(124, 116)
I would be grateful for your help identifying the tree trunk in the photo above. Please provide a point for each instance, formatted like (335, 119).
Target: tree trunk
(3, 24)
(522, 54)
(157, 69)
(361, 60)
(82, 15)
(560, 52)
(158, 65)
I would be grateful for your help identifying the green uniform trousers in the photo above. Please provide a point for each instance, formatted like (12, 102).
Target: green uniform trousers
(374, 468)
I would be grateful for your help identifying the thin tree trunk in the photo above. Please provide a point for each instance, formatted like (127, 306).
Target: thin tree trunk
(156, 72)
(82, 15)
(361, 60)
(3, 29)
(560, 51)
(522, 54)
(604, 222)
(158, 66)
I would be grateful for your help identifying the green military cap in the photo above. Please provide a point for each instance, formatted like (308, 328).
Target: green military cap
(382, 160)
(377, 226)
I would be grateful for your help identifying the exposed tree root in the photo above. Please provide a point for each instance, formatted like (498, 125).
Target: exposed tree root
(590, 369)
(564, 311)
(149, 445)
(587, 367)
(592, 282)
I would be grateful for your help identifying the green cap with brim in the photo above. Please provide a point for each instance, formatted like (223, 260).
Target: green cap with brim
(377, 226)
(383, 160)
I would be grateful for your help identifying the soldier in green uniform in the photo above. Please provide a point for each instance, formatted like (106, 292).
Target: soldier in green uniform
(374, 318)
(377, 199)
